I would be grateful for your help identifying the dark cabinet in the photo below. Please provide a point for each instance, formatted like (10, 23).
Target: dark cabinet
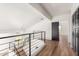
(75, 31)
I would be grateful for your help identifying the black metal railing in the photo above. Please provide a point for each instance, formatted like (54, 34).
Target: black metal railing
(20, 43)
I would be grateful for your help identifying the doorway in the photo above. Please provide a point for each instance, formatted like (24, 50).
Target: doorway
(55, 31)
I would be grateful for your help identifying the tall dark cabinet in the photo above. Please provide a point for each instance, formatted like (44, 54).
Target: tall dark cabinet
(75, 31)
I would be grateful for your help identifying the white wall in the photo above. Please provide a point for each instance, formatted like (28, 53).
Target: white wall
(64, 23)
(43, 25)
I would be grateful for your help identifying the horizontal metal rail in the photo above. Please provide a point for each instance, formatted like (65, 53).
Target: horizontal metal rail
(20, 35)
(24, 40)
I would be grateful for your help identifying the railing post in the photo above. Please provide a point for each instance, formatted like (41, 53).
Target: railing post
(29, 44)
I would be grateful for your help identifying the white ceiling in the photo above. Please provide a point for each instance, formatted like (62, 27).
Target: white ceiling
(15, 17)
(56, 8)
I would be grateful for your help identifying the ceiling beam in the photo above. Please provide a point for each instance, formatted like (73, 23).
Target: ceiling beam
(41, 9)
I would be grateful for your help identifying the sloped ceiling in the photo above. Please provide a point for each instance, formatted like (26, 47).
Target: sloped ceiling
(16, 17)
(53, 9)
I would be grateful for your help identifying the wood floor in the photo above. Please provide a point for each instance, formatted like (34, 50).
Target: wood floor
(55, 48)
(49, 48)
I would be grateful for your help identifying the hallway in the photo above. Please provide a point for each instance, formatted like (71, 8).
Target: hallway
(53, 48)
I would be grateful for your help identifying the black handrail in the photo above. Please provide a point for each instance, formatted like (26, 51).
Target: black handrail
(20, 35)
(29, 34)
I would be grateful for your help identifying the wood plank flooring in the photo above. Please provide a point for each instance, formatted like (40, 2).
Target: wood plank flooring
(55, 48)
(48, 49)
